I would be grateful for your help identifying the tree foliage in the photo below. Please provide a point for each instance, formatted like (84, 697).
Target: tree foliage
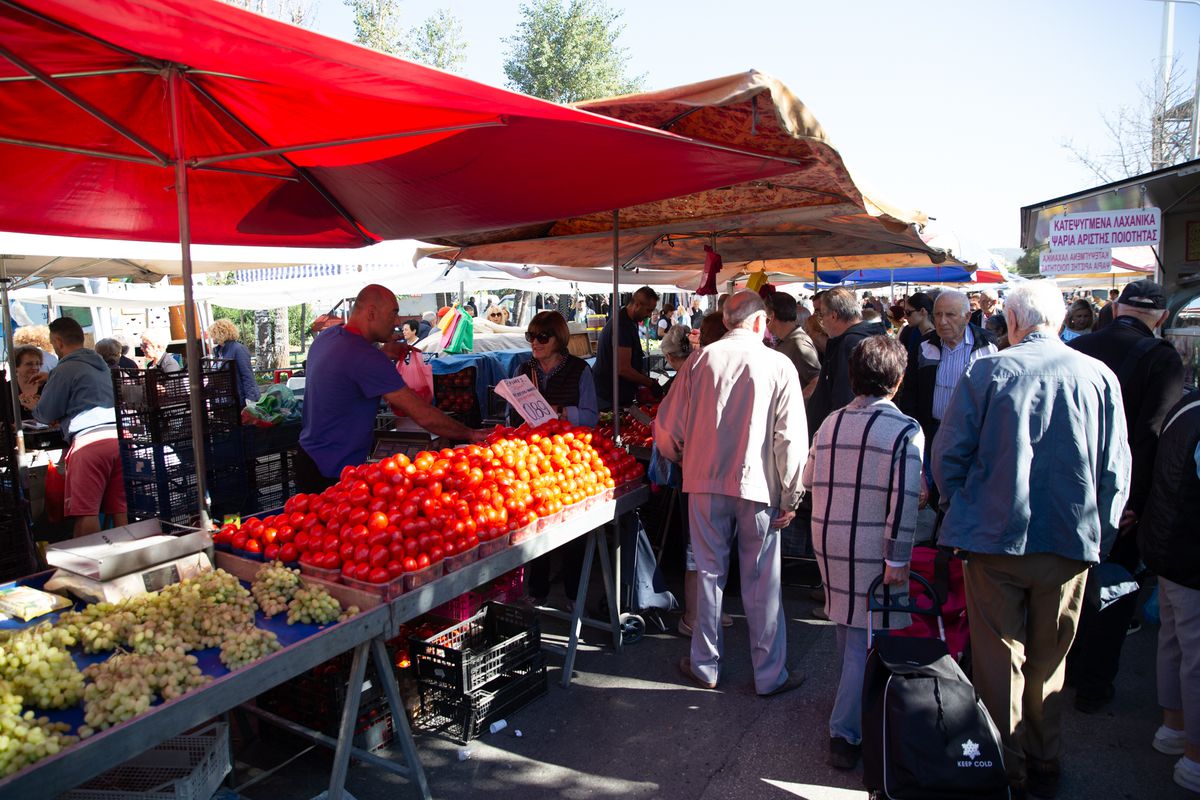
(297, 12)
(567, 53)
(1154, 134)
(437, 42)
(377, 25)
(1030, 262)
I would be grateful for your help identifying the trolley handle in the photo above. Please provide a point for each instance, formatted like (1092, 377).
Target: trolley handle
(887, 605)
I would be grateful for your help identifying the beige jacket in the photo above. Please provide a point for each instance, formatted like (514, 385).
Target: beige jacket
(734, 419)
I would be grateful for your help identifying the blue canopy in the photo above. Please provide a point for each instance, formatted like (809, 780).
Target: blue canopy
(907, 275)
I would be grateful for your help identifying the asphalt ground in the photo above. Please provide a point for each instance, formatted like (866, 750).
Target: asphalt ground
(630, 727)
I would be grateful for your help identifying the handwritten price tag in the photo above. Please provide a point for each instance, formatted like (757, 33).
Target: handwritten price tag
(526, 399)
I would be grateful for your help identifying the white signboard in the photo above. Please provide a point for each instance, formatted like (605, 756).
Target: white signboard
(1075, 263)
(1100, 230)
(526, 399)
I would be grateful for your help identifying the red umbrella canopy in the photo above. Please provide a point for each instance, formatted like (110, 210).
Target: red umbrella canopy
(292, 138)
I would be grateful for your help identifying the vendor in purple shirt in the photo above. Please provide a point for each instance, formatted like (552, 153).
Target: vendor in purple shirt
(346, 376)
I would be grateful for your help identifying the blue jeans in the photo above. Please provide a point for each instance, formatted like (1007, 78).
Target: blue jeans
(846, 719)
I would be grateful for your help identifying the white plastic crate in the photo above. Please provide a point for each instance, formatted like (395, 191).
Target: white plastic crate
(187, 767)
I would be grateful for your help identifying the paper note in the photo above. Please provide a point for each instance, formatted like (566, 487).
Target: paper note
(526, 399)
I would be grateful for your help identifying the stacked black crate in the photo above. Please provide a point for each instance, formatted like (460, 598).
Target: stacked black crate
(154, 427)
(479, 671)
(17, 555)
(270, 465)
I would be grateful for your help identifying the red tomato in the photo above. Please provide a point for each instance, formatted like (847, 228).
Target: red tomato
(359, 497)
(378, 575)
(357, 516)
(346, 551)
(422, 561)
(395, 568)
(252, 546)
(301, 542)
(361, 571)
(239, 540)
(378, 521)
(288, 553)
(378, 556)
(410, 564)
(436, 554)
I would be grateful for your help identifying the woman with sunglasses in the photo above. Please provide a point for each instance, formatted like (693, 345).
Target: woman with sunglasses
(563, 379)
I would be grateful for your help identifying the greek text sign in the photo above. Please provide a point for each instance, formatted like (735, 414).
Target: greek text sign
(1100, 230)
(1075, 262)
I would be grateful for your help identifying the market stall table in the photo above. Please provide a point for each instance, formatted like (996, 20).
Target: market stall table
(365, 634)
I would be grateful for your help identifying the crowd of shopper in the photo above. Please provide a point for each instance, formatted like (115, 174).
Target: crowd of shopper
(1041, 460)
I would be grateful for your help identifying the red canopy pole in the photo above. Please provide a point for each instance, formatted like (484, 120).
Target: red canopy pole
(616, 302)
(195, 383)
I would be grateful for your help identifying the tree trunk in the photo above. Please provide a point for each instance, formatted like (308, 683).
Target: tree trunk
(282, 351)
(263, 335)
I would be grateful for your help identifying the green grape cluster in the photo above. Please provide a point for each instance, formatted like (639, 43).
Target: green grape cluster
(312, 605)
(274, 586)
(25, 738)
(126, 684)
(247, 644)
(40, 669)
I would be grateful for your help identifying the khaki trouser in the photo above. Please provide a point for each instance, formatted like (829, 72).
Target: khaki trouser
(1023, 612)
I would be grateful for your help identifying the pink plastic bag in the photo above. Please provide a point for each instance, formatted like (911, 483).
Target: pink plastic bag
(417, 375)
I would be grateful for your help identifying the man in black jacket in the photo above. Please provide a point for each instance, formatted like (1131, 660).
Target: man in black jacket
(1168, 541)
(841, 318)
(1150, 372)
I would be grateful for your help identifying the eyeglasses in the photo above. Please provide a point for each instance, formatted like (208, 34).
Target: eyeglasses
(908, 312)
(541, 338)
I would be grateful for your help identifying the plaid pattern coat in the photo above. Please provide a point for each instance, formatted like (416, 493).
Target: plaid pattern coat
(864, 472)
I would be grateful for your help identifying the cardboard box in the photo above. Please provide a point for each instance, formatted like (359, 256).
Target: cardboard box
(110, 554)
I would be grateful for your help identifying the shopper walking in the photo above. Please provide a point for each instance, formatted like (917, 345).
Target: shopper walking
(1033, 464)
(1167, 535)
(743, 485)
(864, 473)
(841, 319)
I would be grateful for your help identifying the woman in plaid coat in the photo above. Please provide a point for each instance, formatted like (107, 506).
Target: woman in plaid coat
(864, 472)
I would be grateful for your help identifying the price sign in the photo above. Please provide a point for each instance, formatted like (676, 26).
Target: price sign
(526, 399)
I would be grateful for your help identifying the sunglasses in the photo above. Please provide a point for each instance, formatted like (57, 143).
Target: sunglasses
(908, 312)
(541, 338)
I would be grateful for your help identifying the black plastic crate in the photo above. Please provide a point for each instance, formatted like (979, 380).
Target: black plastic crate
(315, 699)
(472, 652)
(270, 481)
(260, 441)
(153, 389)
(463, 717)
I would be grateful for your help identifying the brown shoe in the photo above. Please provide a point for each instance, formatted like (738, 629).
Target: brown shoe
(685, 668)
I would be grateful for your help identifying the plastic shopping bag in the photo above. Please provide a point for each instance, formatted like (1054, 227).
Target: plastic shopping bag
(417, 375)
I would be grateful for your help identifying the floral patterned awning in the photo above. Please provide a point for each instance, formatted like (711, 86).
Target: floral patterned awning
(814, 211)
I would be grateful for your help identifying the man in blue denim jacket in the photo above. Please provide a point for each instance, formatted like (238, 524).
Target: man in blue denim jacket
(1032, 462)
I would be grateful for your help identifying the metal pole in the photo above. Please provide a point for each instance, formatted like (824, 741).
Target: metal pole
(14, 389)
(1196, 109)
(616, 302)
(195, 384)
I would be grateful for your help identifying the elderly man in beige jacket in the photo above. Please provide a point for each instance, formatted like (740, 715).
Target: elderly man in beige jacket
(735, 421)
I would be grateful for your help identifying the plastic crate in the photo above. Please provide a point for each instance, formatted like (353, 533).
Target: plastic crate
(464, 717)
(508, 588)
(153, 389)
(468, 655)
(187, 767)
(454, 393)
(316, 698)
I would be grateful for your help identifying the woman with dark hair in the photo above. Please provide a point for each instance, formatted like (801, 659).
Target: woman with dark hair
(563, 379)
(918, 313)
(410, 329)
(864, 517)
(565, 382)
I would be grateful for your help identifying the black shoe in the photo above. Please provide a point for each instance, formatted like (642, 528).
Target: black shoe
(1090, 703)
(1135, 625)
(842, 754)
(1041, 778)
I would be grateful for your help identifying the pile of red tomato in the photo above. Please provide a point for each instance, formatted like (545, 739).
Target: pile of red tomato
(382, 520)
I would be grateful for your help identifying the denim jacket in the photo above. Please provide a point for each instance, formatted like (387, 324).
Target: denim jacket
(1032, 455)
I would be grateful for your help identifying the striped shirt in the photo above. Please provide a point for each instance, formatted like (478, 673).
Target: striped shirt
(952, 366)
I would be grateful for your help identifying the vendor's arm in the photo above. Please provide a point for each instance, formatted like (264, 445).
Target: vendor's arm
(587, 413)
(430, 418)
(53, 405)
(626, 372)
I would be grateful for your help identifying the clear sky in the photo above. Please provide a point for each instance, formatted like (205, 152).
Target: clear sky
(956, 107)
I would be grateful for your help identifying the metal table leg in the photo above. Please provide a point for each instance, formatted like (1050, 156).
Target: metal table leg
(585, 576)
(383, 667)
(341, 756)
(612, 589)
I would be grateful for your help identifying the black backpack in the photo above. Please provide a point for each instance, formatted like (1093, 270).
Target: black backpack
(926, 734)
